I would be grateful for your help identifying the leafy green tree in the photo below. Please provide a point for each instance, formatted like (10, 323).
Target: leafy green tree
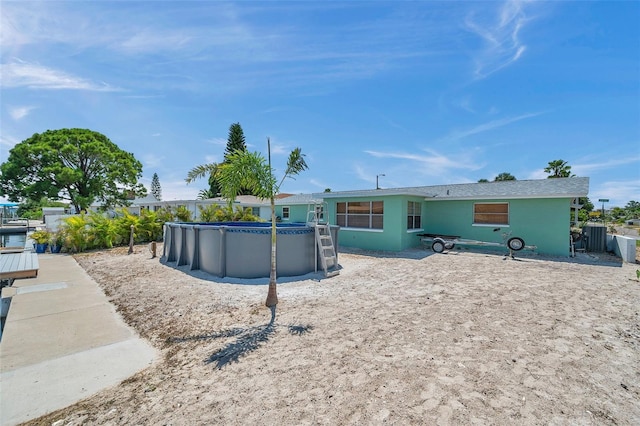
(504, 176)
(617, 214)
(558, 169)
(32, 209)
(632, 210)
(250, 170)
(483, 180)
(156, 190)
(585, 210)
(77, 165)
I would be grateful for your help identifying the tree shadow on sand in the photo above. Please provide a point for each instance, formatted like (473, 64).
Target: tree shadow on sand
(248, 340)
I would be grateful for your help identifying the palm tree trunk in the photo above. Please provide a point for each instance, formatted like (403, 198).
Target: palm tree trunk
(272, 295)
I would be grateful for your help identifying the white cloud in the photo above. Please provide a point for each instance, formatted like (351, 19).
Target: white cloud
(277, 149)
(18, 113)
(619, 193)
(34, 76)
(433, 164)
(317, 183)
(362, 174)
(217, 142)
(152, 160)
(179, 190)
(460, 134)
(8, 141)
(208, 159)
(502, 46)
(587, 168)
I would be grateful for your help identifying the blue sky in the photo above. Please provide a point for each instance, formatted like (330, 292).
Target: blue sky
(425, 93)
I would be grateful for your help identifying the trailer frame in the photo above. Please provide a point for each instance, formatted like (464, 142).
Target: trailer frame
(441, 242)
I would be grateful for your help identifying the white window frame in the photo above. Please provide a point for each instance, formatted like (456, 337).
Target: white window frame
(371, 216)
(286, 212)
(413, 215)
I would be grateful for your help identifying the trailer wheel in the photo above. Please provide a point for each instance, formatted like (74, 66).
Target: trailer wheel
(515, 243)
(449, 246)
(437, 246)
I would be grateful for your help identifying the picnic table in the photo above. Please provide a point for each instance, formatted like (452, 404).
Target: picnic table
(18, 265)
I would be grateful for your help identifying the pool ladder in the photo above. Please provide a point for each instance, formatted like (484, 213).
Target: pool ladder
(328, 257)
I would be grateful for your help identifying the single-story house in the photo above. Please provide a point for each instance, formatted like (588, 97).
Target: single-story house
(538, 211)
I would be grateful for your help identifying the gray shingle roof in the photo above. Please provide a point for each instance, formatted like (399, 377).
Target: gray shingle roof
(540, 188)
(299, 199)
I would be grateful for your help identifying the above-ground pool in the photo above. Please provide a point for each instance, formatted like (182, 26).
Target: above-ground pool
(242, 249)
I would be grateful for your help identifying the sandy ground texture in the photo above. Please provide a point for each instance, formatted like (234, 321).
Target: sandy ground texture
(463, 338)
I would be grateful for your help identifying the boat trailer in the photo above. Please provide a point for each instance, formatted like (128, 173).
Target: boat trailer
(440, 242)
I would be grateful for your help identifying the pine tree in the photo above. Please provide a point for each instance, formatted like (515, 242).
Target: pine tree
(235, 141)
(156, 190)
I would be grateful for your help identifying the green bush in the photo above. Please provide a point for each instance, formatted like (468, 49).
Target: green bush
(208, 213)
(183, 214)
(102, 231)
(77, 236)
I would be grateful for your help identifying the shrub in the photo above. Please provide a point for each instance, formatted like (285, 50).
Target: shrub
(77, 236)
(41, 236)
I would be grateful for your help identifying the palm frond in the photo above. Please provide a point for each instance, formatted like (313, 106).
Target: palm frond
(201, 171)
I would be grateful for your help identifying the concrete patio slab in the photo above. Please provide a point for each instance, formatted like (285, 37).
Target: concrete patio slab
(62, 342)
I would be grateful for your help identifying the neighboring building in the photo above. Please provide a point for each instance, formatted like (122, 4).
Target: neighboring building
(538, 211)
(260, 208)
(296, 208)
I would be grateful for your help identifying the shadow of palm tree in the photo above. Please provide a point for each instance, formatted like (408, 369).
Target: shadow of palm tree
(249, 339)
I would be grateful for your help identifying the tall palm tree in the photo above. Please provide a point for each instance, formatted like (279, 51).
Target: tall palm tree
(252, 171)
(558, 169)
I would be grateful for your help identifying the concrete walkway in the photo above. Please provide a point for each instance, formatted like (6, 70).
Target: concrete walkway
(62, 342)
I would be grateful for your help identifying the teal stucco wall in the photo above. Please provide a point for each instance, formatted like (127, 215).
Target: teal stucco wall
(297, 213)
(544, 223)
(394, 235)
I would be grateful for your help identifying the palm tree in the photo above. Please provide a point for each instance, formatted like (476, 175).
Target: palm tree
(205, 194)
(250, 170)
(558, 169)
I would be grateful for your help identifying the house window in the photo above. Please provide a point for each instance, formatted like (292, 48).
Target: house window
(255, 211)
(414, 215)
(491, 213)
(285, 213)
(360, 214)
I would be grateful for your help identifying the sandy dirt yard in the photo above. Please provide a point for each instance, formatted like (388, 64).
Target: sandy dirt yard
(462, 338)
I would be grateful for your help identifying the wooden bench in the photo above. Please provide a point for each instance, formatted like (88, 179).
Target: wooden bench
(18, 265)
